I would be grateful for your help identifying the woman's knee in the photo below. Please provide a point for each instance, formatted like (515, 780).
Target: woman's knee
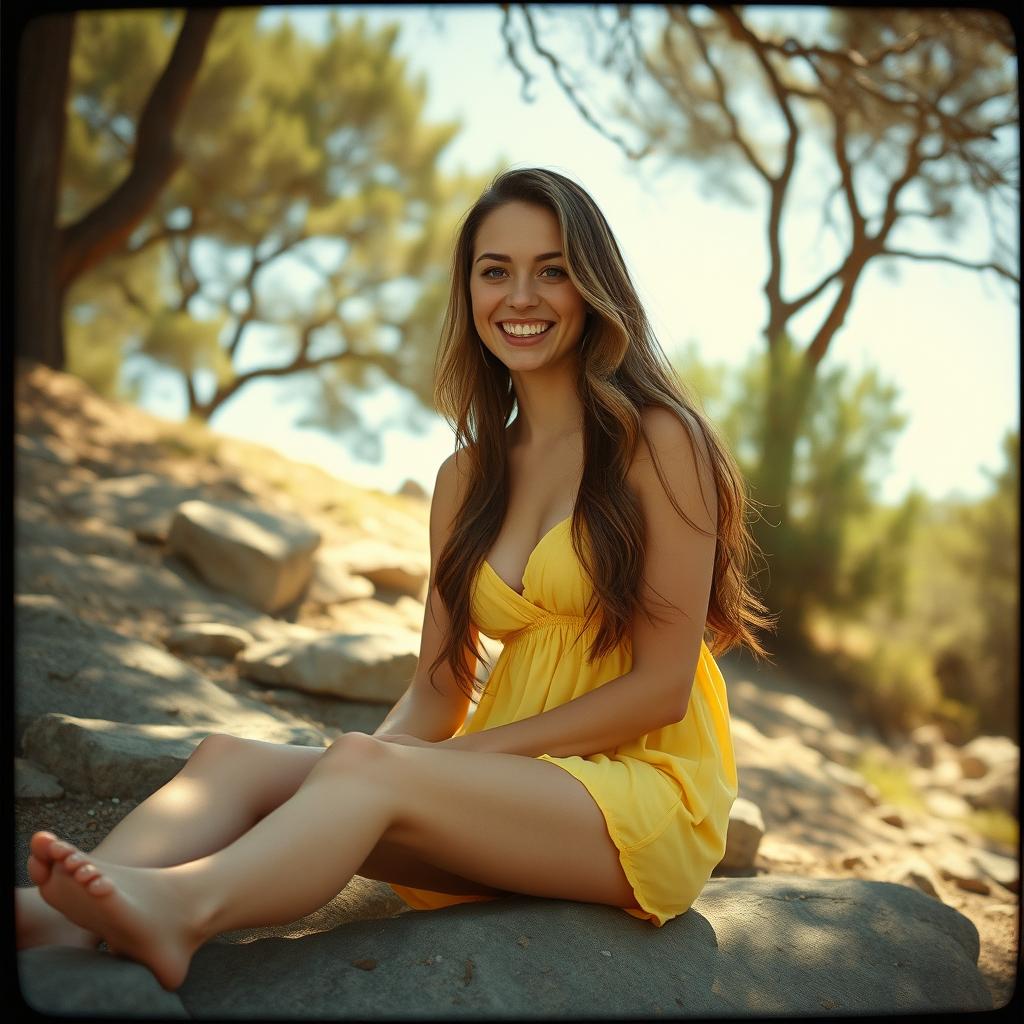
(262, 773)
(217, 746)
(355, 751)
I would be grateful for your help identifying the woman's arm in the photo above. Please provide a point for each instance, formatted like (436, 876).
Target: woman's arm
(613, 714)
(423, 711)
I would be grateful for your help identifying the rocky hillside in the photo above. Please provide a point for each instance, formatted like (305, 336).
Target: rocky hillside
(171, 582)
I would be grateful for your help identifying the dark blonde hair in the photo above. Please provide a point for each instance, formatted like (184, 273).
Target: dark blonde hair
(623, 370)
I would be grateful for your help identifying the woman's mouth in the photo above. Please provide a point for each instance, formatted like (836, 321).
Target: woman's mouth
(525, 332)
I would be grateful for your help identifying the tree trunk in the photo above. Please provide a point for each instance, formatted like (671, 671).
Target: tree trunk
(107, 227)
(43, 62)
(790, 384)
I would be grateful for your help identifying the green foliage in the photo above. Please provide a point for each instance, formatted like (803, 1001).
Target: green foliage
(308, 203)
(898, 684)
(995, 825)
(892, 780)
(914, 608)
(822, 557)
(978, 650)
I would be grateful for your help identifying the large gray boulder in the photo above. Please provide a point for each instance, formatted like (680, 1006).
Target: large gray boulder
(265, 558)
(70, 667)
(373, 666)
(755, 947)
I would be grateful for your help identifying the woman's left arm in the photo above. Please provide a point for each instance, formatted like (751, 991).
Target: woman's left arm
(678, 568)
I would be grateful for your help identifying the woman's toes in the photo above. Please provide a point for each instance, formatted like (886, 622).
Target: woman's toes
(86, 873)
(60, 851)
(100, 885)
(39, 870)
(40, 844)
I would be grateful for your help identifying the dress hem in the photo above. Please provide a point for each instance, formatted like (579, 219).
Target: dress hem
(645, 913)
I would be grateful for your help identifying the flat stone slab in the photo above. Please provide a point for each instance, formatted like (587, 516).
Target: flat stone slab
(757, 947)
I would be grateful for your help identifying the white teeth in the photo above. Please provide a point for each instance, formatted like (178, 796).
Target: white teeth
(524, 330)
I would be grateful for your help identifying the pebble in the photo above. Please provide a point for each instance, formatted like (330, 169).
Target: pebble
(605, 952)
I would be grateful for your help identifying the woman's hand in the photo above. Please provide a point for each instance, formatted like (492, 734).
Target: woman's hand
(405, 740)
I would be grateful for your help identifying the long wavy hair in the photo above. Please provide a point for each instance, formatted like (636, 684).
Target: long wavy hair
(622, 370)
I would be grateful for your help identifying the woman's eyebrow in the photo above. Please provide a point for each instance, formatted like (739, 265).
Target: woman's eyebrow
(508, 259)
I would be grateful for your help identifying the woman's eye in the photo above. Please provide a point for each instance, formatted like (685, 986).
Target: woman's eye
(494, 273)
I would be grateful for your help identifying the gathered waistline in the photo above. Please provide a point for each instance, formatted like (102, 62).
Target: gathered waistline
(550, 620)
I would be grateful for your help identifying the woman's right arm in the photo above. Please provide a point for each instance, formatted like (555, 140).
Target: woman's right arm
(422, 711)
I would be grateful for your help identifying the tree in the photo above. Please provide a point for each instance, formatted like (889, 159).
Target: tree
(979, 660)
(845, 438)
(911, 107)
(307, 234)
(51, 257)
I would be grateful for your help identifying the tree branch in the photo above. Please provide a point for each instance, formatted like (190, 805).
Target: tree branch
(955, 261)
(556, 68)
(300, 363)
(779, 184)
(510, 49)
(107, 227)
(734, 128)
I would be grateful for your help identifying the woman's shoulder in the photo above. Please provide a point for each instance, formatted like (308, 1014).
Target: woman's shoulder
(665, 428)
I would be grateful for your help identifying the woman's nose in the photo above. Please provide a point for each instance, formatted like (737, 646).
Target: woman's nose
(522, 293)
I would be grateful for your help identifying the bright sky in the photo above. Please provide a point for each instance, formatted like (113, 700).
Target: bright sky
(948, 337)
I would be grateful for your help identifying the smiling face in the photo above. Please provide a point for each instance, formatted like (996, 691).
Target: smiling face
(526, 309)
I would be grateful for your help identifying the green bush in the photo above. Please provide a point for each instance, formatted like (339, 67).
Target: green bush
(896, 686)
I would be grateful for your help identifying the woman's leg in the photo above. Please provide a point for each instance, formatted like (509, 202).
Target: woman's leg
(513, 823)
(225, 787)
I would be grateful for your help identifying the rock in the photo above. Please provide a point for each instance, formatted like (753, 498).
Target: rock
(143, 503)
(746, 946)
(33, 783)
(956, 866)
(746, 829)
(106, 758)
(388, 567)
(946, 774)
(911, 869)
(61, 981)
(73, 668)
(366, 615)
(208, 638)
(414, 489)
(67, 566)
(984, 753)
(368, 667)
(332, 583)
(945, 805)
(1004, 871)
(48, 448)
(852, 781)
(920, 837)
(841, 747)
(925, 740)
(998, 789)
(890, 815)
(265, 559)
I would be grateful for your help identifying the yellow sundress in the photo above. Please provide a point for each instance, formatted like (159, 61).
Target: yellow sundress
(666, 795)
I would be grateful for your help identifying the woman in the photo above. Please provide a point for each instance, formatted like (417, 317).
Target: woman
(598, 764)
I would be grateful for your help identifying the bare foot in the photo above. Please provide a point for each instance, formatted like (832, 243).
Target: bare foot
(141, 913)
(39, 924)
(36, 922)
